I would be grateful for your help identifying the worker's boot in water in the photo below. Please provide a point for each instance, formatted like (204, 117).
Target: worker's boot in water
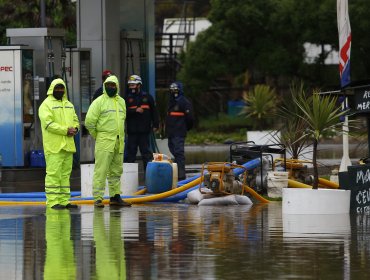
(116, 200)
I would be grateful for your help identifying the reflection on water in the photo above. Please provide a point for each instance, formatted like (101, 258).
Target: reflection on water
(316, 227)
(59, 246)
(208, 153)
(109, 250)
(176, 241)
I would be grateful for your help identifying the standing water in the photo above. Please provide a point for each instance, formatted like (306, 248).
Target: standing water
(179, 241)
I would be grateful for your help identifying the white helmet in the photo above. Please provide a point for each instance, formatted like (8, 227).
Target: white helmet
(174, 87)
(134, 79)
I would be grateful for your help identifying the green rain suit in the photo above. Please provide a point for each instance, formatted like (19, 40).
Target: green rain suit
(105, 121)
(56, 117)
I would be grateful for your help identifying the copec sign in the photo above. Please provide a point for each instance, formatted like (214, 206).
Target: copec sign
(6, 68)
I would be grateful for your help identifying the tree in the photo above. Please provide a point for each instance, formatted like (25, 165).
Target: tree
(267, 37)
(26, 13)
(320, 114)
(257, 36)
(260, 106)
(360, 25)
(293, 128)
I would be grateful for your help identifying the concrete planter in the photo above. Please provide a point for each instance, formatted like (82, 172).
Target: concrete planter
(321, 201)
(129, 179)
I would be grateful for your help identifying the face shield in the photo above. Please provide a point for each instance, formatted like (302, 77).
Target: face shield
(174, 90)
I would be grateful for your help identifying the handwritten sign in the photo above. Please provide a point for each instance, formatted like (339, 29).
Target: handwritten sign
(363, 199)
(362, 99)
(357, 179)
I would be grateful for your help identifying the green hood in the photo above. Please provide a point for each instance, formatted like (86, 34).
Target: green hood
(111, 79)
(57, 82)
(53, 84)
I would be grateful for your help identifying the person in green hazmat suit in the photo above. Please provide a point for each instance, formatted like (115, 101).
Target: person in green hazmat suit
(59, 261)
(105, 121)
(110, 261)
(59, 124)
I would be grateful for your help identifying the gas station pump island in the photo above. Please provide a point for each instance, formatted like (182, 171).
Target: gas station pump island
(17, 113)
(33, 58)
(119, 39)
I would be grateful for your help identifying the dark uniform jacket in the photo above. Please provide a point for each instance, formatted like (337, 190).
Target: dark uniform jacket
(179, 115)
(141, 122)
(97, 93)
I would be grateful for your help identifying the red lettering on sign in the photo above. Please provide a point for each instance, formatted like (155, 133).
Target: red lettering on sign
(6, 68)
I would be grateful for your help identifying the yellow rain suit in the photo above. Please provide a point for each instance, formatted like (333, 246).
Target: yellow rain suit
(105, 121)
(56, 117)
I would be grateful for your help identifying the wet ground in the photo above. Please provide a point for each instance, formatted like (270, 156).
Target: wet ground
(180, 241)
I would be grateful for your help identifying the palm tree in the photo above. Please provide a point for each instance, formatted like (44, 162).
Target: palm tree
(320, 114)
(261, 105)
(292, 131)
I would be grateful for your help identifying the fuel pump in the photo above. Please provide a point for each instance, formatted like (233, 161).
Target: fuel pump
(78, 78)
(17, 111)
(133, 57)
(46, 46)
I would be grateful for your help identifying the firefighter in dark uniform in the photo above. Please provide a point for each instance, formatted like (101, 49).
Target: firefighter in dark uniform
(141, 119)
(178, 121)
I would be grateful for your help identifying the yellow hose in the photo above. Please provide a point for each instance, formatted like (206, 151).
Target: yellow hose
(164, 194)
(328, 183)
(256, 195)
(14, 203)
(140, 192)
(296, 184)
(322, 183)
(148, 198)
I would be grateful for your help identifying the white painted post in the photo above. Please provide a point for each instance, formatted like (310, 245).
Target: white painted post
(345, 159)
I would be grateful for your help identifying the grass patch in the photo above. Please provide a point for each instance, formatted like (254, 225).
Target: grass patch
(224, 123)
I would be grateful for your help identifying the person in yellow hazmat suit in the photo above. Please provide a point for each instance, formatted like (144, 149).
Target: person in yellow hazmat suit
(59, 123)
(105, 121)
(59, 261)
(110, 262)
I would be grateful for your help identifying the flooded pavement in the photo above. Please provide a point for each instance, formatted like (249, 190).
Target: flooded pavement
(179, 241)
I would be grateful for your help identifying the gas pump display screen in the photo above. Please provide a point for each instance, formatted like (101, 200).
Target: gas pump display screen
(85, 81)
